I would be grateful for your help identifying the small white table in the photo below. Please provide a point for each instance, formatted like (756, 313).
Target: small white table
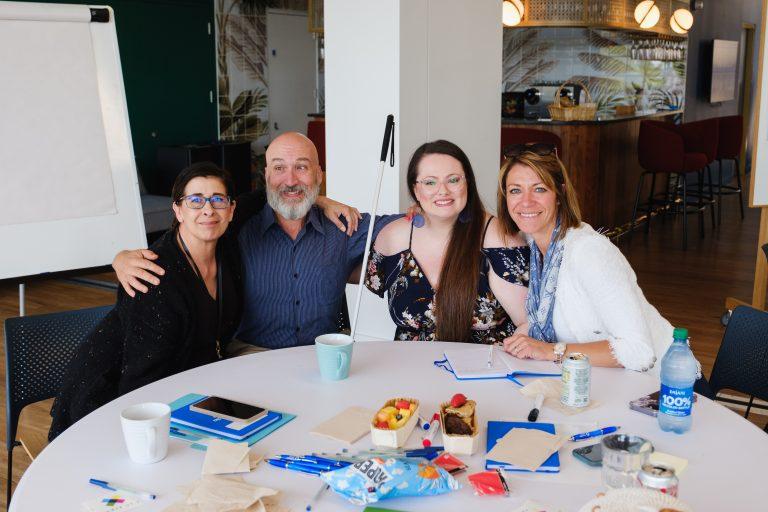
(727, 454)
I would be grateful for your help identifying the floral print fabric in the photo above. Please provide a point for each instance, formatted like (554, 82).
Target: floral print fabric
(412, 299)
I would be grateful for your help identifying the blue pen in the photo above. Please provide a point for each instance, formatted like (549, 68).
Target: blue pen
(313, 459)
(309, 464)
(594, 433)
(295, 466)
(112, 487)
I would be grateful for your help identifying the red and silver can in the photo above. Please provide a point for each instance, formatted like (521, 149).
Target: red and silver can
(661, 478)
(576, 380)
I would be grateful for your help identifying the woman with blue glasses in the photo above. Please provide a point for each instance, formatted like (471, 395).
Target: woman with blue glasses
(178, 324)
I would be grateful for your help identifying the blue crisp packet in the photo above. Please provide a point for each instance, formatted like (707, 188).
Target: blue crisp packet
(376, 479)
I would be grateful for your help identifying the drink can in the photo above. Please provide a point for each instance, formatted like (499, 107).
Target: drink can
(576, 377)
(661, 478)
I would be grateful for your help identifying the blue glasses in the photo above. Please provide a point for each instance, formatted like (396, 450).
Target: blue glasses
(197, 201)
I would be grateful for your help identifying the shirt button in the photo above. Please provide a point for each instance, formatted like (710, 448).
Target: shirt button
(298, 329)
(296, 275)
(297, 302)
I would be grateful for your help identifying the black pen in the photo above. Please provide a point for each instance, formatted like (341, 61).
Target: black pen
(503, 481)
(534, 414)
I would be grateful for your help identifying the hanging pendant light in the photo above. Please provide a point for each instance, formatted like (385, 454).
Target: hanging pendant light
(512, 12)
(681, 21)
(647, 14)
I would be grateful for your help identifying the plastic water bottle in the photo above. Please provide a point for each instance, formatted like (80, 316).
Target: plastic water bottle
(678, 373)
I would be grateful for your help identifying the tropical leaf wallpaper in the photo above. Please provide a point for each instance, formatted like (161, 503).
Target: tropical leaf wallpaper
(599, 58)
(241, 45)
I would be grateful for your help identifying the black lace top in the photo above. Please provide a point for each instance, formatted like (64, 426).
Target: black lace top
(412, 298)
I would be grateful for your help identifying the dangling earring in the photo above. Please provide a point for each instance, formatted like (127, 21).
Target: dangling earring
(418, 221)
(465, 216)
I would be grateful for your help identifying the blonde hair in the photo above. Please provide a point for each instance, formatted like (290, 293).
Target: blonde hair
(552, 173)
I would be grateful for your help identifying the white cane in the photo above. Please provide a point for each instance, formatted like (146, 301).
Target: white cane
(388, 135)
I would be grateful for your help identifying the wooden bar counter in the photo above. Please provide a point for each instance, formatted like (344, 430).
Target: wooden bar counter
(601, 158)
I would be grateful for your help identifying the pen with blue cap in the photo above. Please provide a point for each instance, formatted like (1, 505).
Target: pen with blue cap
(115, 488)
(297, 466)
(594, 433)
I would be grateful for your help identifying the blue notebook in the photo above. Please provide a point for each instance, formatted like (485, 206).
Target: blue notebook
(186, 417)
(498, 429)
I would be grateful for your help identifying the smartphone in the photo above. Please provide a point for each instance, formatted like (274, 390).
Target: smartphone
(229, 409)
(592, 454)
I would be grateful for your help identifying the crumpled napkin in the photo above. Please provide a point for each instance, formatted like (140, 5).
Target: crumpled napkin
(219, 494)
(551, 389)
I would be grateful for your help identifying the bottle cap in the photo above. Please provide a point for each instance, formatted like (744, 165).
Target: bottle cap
(680, 333)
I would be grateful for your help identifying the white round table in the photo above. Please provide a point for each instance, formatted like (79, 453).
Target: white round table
(726, 453)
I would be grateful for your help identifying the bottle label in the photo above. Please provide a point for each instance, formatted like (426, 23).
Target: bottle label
(675, 401)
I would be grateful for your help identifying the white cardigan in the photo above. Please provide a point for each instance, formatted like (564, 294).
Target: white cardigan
(598, 298)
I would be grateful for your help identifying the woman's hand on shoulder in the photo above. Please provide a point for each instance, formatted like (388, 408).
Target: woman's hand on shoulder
(523, 346)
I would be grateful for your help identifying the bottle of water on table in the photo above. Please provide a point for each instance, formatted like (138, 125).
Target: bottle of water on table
(678, 373)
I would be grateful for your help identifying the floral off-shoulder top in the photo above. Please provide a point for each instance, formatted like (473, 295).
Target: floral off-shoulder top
(412, 299)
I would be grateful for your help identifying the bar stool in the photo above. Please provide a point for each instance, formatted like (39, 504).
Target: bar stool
(661, 149)
(702, 137)
(729, 146)
(511, 136)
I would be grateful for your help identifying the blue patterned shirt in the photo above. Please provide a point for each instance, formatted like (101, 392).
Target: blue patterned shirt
(293, 288)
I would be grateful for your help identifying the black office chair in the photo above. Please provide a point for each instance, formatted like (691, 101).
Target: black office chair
(742, 361)
(38, 350)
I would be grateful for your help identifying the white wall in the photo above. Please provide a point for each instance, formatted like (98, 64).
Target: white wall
(435, 65)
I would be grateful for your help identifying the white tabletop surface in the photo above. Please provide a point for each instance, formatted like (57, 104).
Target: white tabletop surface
(726, 453)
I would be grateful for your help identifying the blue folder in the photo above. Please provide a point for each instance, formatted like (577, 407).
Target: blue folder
(186, 417)
(498, 429)
(190, 434)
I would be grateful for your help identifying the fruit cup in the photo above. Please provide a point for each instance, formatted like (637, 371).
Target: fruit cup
(394, 437)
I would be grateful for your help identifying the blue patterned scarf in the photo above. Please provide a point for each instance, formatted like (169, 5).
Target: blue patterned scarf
(540, 303)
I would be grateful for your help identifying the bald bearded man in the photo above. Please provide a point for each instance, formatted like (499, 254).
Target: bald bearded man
(296, 262)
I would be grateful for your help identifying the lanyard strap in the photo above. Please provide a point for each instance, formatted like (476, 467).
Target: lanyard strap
(219, 287)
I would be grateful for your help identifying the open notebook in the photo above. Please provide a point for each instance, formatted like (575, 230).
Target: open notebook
(472, 363)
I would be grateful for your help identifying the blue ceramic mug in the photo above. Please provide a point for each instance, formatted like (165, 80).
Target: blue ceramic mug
(334, 355)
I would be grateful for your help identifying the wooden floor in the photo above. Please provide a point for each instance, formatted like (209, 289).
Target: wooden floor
(689, 288)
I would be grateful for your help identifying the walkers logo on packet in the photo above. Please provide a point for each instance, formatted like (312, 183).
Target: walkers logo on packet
(376, 479)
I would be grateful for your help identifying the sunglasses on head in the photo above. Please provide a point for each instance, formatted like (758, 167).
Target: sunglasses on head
(537, 148)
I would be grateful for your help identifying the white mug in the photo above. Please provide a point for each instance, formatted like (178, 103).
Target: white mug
(146, 429)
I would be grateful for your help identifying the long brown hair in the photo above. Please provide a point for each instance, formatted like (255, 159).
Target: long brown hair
(552, 173)
(456, 296)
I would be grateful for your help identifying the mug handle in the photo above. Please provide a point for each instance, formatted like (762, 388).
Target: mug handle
(342, 363)
(151, 442)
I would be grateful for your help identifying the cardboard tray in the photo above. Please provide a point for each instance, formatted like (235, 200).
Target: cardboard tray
(394, 438)
(460, 445)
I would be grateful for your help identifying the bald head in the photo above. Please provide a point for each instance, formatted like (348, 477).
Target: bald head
(293, 175)
(292, 144)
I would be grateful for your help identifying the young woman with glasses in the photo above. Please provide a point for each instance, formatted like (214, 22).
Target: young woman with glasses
(583, 295)
(442, 278)
(178, 324)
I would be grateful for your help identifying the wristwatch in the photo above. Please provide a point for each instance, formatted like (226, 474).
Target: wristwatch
(559, 352)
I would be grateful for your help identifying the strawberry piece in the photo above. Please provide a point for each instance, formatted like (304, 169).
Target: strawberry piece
(403, 404)
(382, 425)
(458, 400)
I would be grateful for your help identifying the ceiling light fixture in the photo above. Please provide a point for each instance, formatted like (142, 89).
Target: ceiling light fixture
(681, 21)
(647, 14)
(512, 12)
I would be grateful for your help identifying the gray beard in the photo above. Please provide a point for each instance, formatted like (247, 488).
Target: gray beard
(292, 211)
